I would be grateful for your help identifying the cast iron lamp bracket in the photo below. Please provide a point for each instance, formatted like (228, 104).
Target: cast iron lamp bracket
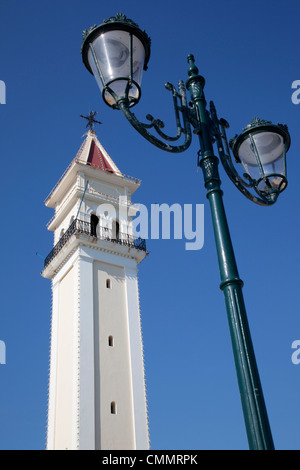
(187, 117)
(182, 119)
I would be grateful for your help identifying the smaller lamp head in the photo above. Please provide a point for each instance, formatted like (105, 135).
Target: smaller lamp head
(261, 148)
(116, 53)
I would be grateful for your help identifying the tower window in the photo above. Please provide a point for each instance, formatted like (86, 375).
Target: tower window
(108, 284)
(110, 341)
(113, 408)
(115, 230)
(94, 223)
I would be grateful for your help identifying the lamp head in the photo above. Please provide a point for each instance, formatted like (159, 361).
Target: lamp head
(116, 53)
(261, 148)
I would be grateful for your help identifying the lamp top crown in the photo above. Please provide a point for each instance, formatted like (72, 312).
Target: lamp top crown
(261, 125)
(120, 21)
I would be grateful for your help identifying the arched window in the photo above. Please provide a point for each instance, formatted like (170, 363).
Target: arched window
(94, 223)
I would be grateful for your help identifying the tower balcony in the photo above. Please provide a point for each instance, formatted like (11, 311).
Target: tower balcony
(78, 227)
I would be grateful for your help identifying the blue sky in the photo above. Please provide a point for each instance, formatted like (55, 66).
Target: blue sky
(248, 54)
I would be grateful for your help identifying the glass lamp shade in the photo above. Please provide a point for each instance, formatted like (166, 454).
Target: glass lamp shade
(261, 148)
(116, 53)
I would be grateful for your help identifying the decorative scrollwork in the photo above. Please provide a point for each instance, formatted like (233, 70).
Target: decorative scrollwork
(86, 32)
(182, 122)
(121, 18)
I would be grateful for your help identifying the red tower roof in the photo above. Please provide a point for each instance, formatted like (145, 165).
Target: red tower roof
(97, 159)
(93, 154)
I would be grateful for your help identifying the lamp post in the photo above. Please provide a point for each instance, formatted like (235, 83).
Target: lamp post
(116, 52)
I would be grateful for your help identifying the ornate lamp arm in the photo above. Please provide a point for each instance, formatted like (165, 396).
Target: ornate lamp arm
(219, 133)
(157, 124)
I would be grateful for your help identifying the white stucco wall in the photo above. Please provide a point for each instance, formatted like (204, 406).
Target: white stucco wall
(112, 365)
(65, 364)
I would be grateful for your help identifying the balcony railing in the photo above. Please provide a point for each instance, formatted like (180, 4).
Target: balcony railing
(102, 233)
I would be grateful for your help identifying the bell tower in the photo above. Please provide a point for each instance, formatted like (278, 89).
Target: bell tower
(97, 397)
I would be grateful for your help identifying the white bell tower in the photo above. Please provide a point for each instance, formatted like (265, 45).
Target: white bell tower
(97, 397)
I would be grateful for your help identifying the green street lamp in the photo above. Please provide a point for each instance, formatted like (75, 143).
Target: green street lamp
(116, 52)
(261, 148)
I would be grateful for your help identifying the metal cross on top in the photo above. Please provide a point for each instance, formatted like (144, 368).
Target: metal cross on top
(91, 120)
